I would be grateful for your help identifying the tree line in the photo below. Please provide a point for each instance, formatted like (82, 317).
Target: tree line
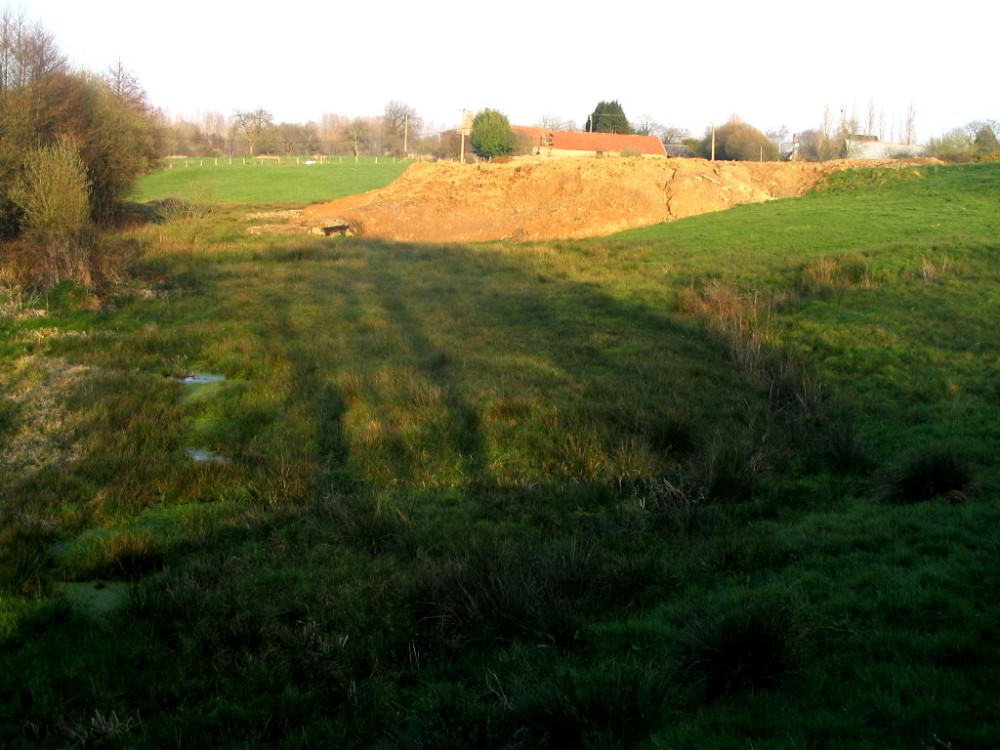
(398, 131)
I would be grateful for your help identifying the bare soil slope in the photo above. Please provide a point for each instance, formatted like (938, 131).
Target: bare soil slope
(568, 198)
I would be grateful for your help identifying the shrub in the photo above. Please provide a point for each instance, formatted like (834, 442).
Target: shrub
(54, 197)
(738, 141)
(491, 134)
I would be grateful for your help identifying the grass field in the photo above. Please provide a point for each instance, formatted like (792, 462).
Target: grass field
(726, 482)
(268, 180)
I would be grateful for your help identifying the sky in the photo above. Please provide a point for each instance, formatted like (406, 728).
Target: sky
(773, 64)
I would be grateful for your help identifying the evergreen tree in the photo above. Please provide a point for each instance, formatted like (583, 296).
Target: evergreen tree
(491, 134)
(609, 117)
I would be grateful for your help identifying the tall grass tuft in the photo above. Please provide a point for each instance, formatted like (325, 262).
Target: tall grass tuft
(731, 467)
(749, 650)
(26, 560)
(617, 705)
(499, 591)
(125, 556)
(939, 471)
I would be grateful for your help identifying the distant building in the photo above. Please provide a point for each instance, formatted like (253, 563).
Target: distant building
(870, 147)
(561, 143)
(678, 150)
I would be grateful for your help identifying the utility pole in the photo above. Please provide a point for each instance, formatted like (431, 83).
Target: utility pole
(406, 133)
(713, 141)
(465, 126)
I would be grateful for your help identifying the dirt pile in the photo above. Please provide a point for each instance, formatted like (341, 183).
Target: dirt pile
(568, 198)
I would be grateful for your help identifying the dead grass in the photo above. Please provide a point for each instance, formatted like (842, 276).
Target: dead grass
(44, 427)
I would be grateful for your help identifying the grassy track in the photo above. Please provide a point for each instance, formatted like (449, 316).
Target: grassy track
(240, 180)
(726, 482)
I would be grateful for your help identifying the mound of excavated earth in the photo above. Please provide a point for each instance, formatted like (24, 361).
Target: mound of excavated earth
(567, 198)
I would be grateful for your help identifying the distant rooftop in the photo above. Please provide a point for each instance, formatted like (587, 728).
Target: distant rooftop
(595, 143)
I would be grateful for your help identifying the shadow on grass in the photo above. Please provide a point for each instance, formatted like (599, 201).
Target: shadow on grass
(397, 400)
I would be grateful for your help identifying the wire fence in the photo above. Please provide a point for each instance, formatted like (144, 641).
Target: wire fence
(186, 162)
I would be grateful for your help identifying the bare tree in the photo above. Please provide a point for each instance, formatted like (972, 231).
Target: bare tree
(647, 125)
(215, 128)
(252, 124)
(297, 138)
(870, 123)
(400, 125)
(357, 132)
(780, 138)
(555, 122)
(910, 135)
(826, 128)
(331, 129)
(376, 135)
(125, 85)
(674, 134)
(27, 51)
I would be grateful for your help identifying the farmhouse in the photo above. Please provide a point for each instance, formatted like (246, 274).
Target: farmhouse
(560, 143)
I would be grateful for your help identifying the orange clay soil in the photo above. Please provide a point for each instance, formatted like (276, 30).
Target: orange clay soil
(566, 198)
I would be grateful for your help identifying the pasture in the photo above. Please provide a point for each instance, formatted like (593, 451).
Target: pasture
(267, 179)
(724, 482)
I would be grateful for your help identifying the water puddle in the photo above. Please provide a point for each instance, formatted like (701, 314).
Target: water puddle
(201, 385)
(201, 456)
(198, 387)
(201, 378)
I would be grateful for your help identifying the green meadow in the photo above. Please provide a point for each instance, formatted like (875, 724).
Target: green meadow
(725, 482)
(268, 179)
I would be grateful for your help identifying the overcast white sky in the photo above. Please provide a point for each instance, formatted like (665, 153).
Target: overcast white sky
(774, 64)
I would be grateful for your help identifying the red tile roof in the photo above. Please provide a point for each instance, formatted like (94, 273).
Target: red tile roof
(567, 140)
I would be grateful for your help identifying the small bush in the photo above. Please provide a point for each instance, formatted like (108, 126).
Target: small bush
(937, 472)
(54, 198)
